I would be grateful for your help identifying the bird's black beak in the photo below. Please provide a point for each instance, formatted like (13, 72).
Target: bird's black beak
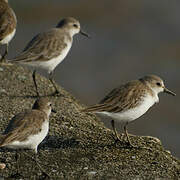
(54, 111)
(84, 34)
(169, 92)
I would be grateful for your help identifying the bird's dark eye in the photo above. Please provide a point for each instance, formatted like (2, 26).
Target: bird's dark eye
(50, 104)
(158, 84)
(75, 25)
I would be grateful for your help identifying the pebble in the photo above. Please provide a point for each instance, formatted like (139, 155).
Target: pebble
(2, 166)
(133, 157)
(22, 78)
(92, 172)
(2, 91)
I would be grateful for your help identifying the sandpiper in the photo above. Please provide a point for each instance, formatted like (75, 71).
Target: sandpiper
(8, 24)
(46, 50)
(27, 129)
(130, 101)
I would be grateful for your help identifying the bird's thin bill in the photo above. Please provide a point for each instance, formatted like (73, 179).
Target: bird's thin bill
(84, 34)
(169, 92)
(54, 111)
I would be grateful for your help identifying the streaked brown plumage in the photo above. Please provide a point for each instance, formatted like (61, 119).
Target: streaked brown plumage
(44, 46)
(19, 128)
(8, 23)
(46, 50)
(26, 124)
(124, 97)
(130, 101)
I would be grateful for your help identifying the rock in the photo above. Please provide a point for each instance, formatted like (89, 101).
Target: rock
(78, 145)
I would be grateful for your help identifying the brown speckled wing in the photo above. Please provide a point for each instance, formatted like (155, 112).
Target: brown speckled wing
(120, 99)
(22, 125)
(43, 47)
(7, 20)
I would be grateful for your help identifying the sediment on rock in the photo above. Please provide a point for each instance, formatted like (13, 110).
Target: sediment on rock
(78, 146)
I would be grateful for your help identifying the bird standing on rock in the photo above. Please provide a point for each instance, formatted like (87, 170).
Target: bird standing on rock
(46, 50)
(130, 101)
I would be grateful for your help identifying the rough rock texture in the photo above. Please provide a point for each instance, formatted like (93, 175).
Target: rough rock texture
(78, 145)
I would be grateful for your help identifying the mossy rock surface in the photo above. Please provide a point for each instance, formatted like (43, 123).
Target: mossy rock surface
(78, 146)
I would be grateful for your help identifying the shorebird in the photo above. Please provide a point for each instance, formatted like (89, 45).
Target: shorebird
(46, 50)
(8, 24)
(27, 129)
(130, 101)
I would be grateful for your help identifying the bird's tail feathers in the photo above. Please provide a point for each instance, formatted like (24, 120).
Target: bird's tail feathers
(94, 108)
(2, 137)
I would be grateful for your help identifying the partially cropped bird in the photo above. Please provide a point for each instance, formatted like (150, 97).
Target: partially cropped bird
(46, 50)
(8, 24)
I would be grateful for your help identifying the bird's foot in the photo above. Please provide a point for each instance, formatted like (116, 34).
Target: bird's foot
(38, 164)
(56, 93)
(130, 145)
(3, 60)
(116, 139)
(37, 94)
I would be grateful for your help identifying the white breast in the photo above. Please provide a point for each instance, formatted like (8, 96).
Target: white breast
(33, 141)
(8, 38)
(50, 65)
(134, 113)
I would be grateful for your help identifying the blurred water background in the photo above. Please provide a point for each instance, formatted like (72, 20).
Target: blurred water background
(129, 39)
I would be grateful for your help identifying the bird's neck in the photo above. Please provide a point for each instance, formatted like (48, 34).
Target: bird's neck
(152, 91)
(46, 111)
(71, 32)
(154, 94)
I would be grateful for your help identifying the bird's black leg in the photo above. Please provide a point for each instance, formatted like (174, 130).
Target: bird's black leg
(127, 136)
(126, 133)
(34, 80)
(114, 129)
(17, 156)
(53, 83)
(3, 58)
(37, 163)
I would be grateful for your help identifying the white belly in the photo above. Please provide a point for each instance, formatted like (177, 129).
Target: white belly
(33, 141)
(133, 113)
(50, 65)
(8, 38)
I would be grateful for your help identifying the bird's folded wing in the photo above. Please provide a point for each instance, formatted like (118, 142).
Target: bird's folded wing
(119, 99)
(42, 47)
(22, 126)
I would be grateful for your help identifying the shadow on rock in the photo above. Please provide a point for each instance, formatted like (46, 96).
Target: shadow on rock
(56, 142)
